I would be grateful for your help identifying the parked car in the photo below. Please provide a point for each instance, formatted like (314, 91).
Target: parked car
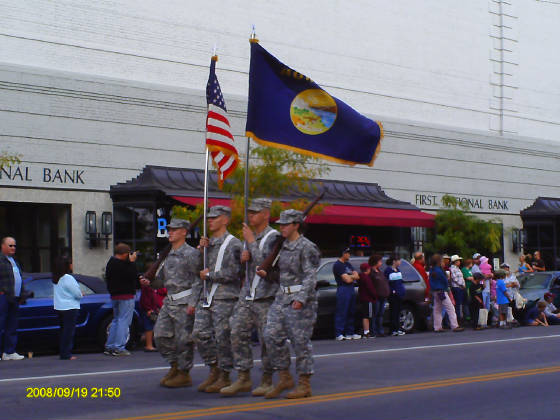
(414, 312)
(38, 321)
(533, 286)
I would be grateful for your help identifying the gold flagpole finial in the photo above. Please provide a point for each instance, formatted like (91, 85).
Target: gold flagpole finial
(214, 56)
(253, 35)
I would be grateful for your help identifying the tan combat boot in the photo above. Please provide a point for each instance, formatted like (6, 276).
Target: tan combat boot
(222, 382)
(286, 382)
(265, 386)
(243, 384)
(181, 379)
(212, 377)
(170, 373)
(303, 389)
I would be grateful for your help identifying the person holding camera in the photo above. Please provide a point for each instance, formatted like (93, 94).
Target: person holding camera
(122, 282)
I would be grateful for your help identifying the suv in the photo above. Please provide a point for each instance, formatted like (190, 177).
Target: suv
(415, 308)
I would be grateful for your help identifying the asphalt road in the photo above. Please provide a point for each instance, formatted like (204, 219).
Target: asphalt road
(493, 374)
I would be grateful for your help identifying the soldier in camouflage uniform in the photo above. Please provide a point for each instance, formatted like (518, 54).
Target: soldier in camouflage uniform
(294, 311)
(173, 329)
(223, 278)
(255, 299)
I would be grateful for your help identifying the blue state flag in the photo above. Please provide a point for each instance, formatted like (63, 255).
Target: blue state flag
(288, 110)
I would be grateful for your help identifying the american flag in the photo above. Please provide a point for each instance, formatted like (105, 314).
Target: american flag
(219, 139)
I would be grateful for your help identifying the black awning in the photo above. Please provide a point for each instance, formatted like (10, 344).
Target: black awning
(543, 207)
(183, 182)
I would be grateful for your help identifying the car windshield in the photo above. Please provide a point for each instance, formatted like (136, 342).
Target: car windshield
(325, 273)
(535, 280)
(409, 272)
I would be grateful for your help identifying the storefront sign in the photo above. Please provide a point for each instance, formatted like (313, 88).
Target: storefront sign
(43, 175)
(475, 203)
(161, 224)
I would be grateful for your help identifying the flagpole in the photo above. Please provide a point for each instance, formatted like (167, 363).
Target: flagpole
(246, 188)
(205, 217)
(246, 205)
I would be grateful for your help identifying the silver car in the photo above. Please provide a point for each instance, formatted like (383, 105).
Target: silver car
(415, 308)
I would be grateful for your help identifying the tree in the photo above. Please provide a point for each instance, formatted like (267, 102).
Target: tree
(7, 159)
(272, 173)
(458, 232)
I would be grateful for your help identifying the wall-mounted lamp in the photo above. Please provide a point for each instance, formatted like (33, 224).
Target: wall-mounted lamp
(91, 228)
(107, 226)
(518, 238)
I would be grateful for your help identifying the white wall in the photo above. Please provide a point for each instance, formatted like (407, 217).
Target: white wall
(428, 61)
(108, 130)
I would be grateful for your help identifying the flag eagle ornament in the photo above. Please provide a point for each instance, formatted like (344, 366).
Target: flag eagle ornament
(219, 139)
(288, 110)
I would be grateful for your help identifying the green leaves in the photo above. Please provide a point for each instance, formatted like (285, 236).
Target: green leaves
(7, 159)
(458, 232)
(272, 173)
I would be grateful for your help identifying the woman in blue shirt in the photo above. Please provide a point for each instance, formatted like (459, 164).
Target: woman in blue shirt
(439, 286)
(67, 295)
(394, 275)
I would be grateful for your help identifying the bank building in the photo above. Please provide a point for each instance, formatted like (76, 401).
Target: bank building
(105, 103)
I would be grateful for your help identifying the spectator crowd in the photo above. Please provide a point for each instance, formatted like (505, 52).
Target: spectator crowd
(462, 292)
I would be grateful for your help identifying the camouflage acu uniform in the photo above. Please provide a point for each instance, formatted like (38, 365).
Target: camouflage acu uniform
(297, 262)
(173, 329)
(249, 314)
(211, 326)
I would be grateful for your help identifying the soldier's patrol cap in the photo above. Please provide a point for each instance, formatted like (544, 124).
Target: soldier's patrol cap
(259, 204)
(177, 223)
(290, 216)
(216, 211)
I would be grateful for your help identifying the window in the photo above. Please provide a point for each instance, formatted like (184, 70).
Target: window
(535, 280)
(134, 224)
(42, 231)
(85, 290)
(325, 274)
(41, 288)
(410, 275)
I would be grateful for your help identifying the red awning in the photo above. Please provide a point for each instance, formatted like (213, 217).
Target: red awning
(193, 201)
(371, 216)
(348, 215)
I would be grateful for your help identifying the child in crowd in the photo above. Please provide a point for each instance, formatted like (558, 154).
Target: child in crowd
(486, 270)
(151, 302)
(536, 316)
(367, 297)
(502, 298)
(476, 303)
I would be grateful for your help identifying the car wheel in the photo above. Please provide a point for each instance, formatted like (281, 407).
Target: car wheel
(407, 318)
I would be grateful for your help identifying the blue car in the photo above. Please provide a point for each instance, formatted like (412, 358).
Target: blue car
(38, 323)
